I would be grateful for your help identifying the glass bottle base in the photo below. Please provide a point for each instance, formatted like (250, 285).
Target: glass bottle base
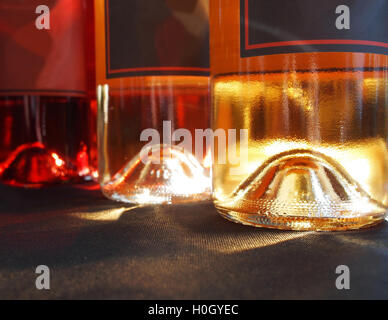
(162, 174)
(34, 166)
(302, 190)
(301, 223)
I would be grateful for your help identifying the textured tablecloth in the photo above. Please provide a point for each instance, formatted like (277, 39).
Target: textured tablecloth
(96, 248)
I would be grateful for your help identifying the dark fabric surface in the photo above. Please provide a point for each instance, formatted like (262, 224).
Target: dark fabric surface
(96, 248)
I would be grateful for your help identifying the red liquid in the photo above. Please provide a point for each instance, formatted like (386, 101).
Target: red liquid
(45, 140)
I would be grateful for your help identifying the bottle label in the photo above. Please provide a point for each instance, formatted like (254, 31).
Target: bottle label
(291, 26)
(156, 37)
(38, 56)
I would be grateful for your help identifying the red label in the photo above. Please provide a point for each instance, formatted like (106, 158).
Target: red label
(42, 61)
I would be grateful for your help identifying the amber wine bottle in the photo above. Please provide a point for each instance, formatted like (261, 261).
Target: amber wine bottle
(153, 76)
(308, 82)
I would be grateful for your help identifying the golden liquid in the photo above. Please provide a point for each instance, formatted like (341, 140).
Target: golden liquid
(343, 118)
(317, 131)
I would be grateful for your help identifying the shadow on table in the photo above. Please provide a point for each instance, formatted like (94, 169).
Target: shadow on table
(79, 221)
(76, 227)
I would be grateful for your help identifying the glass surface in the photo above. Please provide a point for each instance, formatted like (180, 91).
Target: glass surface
(316, 133)
(47, 87)
(130, 169)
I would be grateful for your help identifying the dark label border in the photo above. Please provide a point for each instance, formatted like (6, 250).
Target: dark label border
(146, 71)
(299, 46)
